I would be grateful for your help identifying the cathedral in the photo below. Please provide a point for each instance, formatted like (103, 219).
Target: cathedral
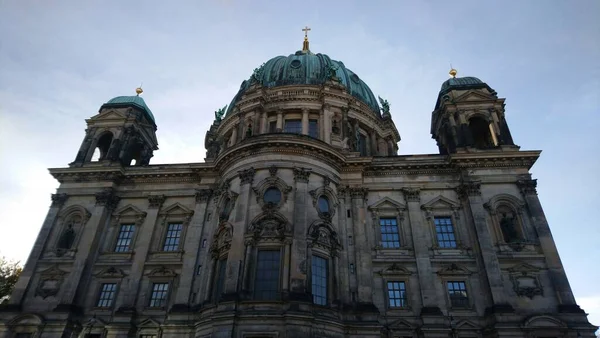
(302, 221)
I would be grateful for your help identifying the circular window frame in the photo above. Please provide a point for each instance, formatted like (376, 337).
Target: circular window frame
(279, 197)
(296, 64)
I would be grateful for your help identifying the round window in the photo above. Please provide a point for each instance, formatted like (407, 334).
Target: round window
(323, 204)
(296, 64)
(272, 196)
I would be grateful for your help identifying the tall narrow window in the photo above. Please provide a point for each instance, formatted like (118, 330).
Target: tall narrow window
(220, 279)
(457, 291)
(107, 294)
(173, 236)
(313, 128)
(124, 238)
(445, 232)
(362, 145)
(319, 280)
(390, 237)
(293, 126)
(266, 285)
(159, 295)
(396, 294)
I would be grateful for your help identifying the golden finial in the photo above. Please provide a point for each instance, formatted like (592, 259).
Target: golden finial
(139, 90)
(452, 71)
(305, 44)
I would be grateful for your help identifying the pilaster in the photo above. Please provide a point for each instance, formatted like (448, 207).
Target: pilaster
(20, 288)
(299, 244)
(363, 258)
(305, 121)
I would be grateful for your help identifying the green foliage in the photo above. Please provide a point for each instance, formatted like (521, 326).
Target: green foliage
(9, 274)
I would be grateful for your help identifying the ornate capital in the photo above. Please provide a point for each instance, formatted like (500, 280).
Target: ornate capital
(203, 195)
(107, 198)
(359, 192)
(467, 189)
(273, 171)
(156, 201)
(301, 175)
(412, 195)
(246, 176)
(58, 200)
(527, 187)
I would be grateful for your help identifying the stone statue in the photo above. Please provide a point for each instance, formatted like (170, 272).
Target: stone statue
(67, 238)
(356, 137)
(335, 128)
(352, 144)
(257, 73)
(385, 105)
(331, 72)
(219, 114)
(507, 225)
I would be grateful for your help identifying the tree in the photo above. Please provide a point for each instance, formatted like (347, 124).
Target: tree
(9, 274)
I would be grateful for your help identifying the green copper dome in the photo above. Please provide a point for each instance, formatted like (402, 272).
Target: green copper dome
(305, 68)
(127, 101)
(462, 83)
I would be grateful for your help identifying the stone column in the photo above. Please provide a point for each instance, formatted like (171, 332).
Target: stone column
(305, 121)
(556, 271)
(233, 139)
(129, 290)
(470, 192)
(20, 288)
(373, 139)
(363, 248)
(279, 120)
(264, 128)
(106, 201)
(249, 245)
(325, 123)
(299, 245)
(191, 248)
(421, 243)
(287, 250)
(347, 280)
(236, 257)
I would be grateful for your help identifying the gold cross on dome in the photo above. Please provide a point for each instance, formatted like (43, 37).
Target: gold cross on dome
(305, 30)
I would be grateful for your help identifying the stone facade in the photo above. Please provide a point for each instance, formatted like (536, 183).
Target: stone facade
(302, 222)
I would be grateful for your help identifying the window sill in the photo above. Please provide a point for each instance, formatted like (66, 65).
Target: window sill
(402, 251)
(119, 256)
(166, 255)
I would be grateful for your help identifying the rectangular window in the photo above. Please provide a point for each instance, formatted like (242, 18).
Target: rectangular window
(124, 238)
(445, 232)
(266, 285)
(107, 294)
(457, 291)
(173, 237)
(313, 128)
(362, 145)
(159, 294)
(319, 280)
(390, 237)
(396, 294)
(220, 278)
(272, 126)
(293, 126)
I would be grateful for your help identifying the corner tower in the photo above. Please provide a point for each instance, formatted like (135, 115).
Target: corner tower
(123, 133)
(469, 117)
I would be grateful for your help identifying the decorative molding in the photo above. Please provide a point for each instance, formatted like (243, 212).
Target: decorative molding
(269, 226)
(395, 269)
(326, 181)
(162, 271)
(468, 189)
(221, 240)
(525, 280)
(331, 196)
(301, 174)
(50, 282)
(273, 171)
(271, 182)
(412, 194)
(440, 203)
(129, 213)
(111, 272)
(322, 235)
(156, 201)
(453, 270)
(527, 186)
(58, 200)
(246, 176)
(358, 193)
(107, 198)
(203, 195)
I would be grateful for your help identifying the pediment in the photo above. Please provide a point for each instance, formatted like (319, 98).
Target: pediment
(111, 272)
(395, 269)
(109, 115)
(523, 267)
(544, 322)
(441, 202)
(466, 325)
(129, 210)
(453, 270)
(177, 209)
(149, 323)
(27, 319)
(53, 271)
(387, 204)
(401, 324)
(162, 271)
(474, 96)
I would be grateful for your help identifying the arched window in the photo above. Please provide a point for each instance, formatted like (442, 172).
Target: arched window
(226, 211)
(480, 130)
(102, 147)
(323, 204)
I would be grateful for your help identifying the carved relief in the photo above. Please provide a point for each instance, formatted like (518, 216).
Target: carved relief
(246, 176)
(50, 282)
(221, 240)
(525, 280)
(58, 200)
(156, 201)
(269, 226)
(301, 175)
(321, 235)
(412, 194)
(111, 272)
(469, 189)
(107, 198)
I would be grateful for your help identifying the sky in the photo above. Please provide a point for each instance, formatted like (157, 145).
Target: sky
(61, 60)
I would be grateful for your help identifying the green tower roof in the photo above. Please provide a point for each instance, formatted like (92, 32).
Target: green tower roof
(306, 68)
(127, 101)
